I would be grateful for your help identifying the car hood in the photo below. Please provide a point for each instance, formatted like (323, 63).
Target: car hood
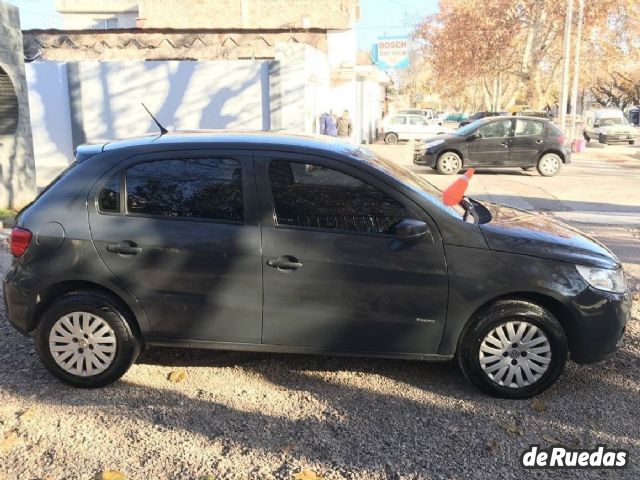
(518, 231)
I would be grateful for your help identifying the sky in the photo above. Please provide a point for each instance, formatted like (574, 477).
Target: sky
(378, 17)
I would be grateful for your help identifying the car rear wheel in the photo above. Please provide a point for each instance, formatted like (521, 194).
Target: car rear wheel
(549, 164)
(391, 138)
(449, 163)
(586, 137)
(513, 349)
(85, 340)
(632, 142)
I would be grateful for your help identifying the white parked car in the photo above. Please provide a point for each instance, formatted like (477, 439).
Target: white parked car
(429, 114)
(410, 127)
(608, 125)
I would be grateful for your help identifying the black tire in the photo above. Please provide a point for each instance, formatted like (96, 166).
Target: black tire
(500, 313)
(602, 138)
(449, 163)
(527, 169)
(391, 138)
(632, 142)
(549, 164)
(586, 137)
(108, 309)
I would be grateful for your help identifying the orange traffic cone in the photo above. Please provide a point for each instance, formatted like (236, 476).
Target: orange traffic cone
(454, 193)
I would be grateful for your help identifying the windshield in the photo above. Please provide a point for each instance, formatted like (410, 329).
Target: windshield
(418, 184)
(609, 122)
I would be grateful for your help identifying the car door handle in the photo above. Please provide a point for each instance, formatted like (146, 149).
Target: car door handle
(539, 142)
(285, 262)
(505, 143)
(124, 248)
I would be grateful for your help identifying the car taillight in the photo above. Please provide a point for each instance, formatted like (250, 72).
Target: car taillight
(20, 239)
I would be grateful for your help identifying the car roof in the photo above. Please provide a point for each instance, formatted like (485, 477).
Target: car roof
(236, 138)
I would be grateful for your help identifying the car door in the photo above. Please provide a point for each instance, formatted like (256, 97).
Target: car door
(527, 142)
(180, 230)
(334, 276)
(491, 145)
(418, 126)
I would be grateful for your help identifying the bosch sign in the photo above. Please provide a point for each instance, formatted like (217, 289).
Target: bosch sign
(392, 52)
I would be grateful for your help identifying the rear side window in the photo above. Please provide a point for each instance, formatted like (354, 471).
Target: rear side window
(398, 119)
(312, 196)
(208, 188)
(526, 128)
(109, 197)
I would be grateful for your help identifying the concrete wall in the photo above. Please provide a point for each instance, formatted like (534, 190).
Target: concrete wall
(17, 171)
(182, 96)
(50, 119)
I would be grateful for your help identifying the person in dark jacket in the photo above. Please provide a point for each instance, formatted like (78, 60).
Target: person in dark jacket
(327, 125)
(344, 125)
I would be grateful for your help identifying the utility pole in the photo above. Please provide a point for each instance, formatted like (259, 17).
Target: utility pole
(565, 67)
(576, 70)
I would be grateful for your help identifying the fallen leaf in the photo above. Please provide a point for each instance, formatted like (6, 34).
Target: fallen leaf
(513, 429)
(208, 477)
(110, 475)
(551, 440)
(177, 376)
(538, 405)
(27, 414)
(493, 446)
(10, 441)
(306, 475)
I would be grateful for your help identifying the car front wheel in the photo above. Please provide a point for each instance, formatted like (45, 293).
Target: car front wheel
(549, 164)
(513, 349)
(391, 138)
(85, 340)
(449, 163)
(602, 138)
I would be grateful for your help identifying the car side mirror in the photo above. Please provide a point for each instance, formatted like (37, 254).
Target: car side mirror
(596, 125)
(410, 229)
(475, 136)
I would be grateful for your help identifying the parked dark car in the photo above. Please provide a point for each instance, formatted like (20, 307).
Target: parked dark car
(479, 116)
(525, 142)
(281, 243)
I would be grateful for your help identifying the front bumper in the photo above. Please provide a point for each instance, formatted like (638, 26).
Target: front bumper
(597, 329)
(425, 158)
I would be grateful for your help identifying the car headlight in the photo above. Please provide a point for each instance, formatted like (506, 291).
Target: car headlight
(434, 143)
(603, 278)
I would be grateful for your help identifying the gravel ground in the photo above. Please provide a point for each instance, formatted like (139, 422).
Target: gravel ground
(255, 416)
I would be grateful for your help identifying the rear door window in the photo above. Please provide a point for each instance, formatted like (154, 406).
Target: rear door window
(528, 128)
(399, 119)
(313, 196)
(205, 188)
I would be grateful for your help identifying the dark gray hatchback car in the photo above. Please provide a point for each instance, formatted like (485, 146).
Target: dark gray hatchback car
(282, 243)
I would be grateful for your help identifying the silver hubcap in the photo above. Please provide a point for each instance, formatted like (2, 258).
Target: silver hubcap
(515, 354)
(450, 163)
(82, 344)
(549, 164)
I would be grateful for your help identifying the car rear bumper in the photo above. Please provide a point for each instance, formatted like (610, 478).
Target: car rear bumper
(20, 306)
(598, 328)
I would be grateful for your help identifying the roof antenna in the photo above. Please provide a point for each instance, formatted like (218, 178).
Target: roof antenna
(162, 129)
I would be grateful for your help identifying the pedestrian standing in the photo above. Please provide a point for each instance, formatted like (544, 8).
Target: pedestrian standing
(327, 125)
(344, 125)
